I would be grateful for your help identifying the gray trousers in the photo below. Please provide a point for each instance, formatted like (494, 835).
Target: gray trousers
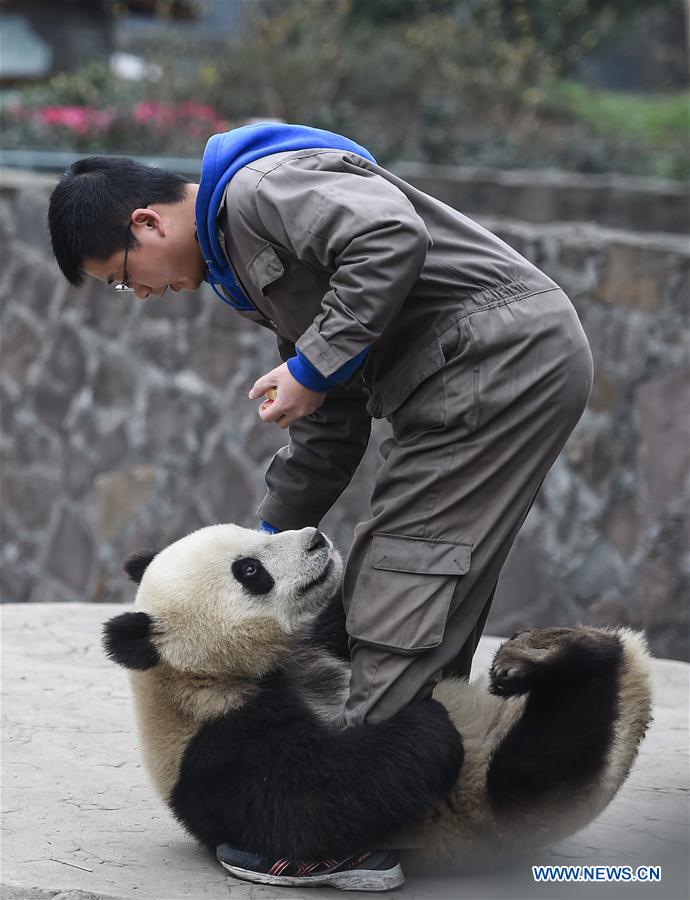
(470, 449)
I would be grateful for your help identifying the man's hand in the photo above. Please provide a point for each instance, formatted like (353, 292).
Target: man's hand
(292, 400)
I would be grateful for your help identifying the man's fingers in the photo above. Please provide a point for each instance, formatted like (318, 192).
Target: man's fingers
(269, 412)
(265, 386)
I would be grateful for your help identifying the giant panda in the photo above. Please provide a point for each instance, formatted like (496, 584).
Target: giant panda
(238, 657)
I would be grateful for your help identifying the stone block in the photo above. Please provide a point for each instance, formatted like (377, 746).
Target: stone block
(263, 440)
(100, 308)
(171, 423)
(33, 286)
(625, 523)
(77, 472)
(625, 343)
(102, 434)
(166, 347)
(525, 596)
(30, 211)
(662, 424)
(111, 446)
(116, 498)
(173, 307)
(50, 403)
(36, 445)
(71, 552)
(183, 502)
(29, 494)
(16, 581)
(602, 573)
(7, 409)
(214, 355)
(228, 486)
(45, 590)
(67, 359)
(114, 381)
(664, 591)
(19, 350)
(609, 612)
(679, 289)
(595, 455)
(633, 277)
(605, 395)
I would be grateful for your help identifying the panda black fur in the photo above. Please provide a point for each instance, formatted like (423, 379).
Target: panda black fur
(239, 666)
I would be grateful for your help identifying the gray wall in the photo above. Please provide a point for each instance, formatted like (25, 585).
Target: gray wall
(126, 424)
(619, 201)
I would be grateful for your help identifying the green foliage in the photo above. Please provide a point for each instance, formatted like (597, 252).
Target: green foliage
(652, 118)
(92, 85)
(448, 81)
(385, 12)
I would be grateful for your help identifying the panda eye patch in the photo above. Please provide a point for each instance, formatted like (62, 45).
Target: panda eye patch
(252, 575)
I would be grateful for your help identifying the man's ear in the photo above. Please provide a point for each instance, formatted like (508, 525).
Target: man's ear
(127, 640)
(136, 564)
(149, 218)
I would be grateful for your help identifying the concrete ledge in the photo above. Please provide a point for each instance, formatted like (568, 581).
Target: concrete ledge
(543, 195)
(80, 821)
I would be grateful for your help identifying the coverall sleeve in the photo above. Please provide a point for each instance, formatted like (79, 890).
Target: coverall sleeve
(306, 477)
(360, 228)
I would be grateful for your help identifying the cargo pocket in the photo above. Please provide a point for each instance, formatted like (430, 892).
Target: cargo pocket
(404, 590)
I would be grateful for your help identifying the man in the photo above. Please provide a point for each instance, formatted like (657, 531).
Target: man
(385, 302)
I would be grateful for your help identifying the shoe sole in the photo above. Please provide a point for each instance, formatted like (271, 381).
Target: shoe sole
(353, 880)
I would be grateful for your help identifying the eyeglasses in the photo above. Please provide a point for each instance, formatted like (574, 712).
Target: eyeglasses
(124, 285)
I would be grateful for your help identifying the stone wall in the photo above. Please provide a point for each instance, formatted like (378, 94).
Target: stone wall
(126, 424)
(617, 201)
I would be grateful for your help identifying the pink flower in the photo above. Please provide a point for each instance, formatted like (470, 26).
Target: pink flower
(74, 117)
(152, 112)
(193, 110)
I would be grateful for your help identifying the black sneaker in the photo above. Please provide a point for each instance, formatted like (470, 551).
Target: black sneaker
(377, 870)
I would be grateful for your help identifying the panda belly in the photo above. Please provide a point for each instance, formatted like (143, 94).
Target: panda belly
(164, 730)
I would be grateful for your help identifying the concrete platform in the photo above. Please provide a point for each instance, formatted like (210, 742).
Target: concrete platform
(80, 821)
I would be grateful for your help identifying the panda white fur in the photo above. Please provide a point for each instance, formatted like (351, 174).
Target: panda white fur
(239, 668)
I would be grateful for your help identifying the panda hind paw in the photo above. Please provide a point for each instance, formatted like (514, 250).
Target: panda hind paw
(528, 656)
(511, 673)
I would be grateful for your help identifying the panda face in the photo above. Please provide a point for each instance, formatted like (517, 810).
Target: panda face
(226, 600)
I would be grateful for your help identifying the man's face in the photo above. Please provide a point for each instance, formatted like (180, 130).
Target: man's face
(169, 255)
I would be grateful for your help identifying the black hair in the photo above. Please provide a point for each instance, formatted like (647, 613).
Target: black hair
(90, 208)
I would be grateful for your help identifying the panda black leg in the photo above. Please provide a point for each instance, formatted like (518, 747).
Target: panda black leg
(563, 737)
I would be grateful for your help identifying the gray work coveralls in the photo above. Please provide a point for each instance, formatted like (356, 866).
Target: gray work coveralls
(478, 360)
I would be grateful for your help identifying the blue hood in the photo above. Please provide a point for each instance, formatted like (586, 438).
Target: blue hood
(224, 155)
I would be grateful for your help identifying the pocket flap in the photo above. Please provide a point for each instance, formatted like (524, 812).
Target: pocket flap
(400, 383)
(404, 592)
(265, 267)
(396, 553)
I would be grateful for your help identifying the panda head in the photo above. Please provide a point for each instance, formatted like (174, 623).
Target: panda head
(224, 601)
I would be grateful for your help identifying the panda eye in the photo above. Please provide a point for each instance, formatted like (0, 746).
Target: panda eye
(252, 575)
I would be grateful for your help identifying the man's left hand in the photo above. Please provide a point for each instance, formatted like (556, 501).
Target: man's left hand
(292, 400)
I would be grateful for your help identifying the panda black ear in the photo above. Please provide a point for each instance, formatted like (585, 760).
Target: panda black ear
(136, 564)
(127, 640)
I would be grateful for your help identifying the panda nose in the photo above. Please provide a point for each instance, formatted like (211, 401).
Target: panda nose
(318, 541)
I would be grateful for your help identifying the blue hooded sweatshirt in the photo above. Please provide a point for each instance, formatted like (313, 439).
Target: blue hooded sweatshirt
(225, 154)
